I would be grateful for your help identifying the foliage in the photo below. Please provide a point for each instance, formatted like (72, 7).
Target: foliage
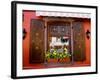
(57, 55)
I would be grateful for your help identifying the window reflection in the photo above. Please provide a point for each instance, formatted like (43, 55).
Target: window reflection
(58, 43)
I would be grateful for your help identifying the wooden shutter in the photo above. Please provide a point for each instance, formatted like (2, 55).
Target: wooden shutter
(36, 41)
(78, 42)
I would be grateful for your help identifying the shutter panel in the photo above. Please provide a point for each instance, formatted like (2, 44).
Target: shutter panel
(78, 42)
(36, 41)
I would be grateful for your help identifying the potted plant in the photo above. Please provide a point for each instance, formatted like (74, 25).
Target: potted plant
(57, 57)
(51, 57)
(63, 57)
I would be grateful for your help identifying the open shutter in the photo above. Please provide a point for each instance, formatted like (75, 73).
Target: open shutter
(36, 41)
(78, 42)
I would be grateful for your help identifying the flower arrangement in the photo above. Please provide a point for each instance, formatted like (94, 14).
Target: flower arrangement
(57, 55)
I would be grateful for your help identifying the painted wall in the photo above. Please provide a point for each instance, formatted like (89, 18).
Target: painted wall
(26, 24)
(28, 15)
(87, 26)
